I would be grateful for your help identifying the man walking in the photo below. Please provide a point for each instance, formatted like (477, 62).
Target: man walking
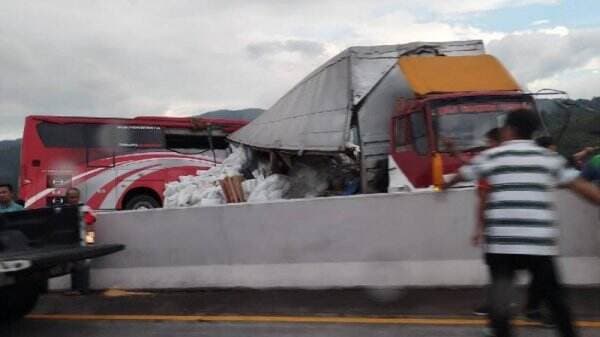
(7, 204)
(519, 216)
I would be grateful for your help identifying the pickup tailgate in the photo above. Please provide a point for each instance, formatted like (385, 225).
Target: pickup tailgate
(49, 256)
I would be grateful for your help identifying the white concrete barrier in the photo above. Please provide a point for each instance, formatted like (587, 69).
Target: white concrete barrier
(419, 239)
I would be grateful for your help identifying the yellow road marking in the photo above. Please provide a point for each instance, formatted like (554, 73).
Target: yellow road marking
(449, 321)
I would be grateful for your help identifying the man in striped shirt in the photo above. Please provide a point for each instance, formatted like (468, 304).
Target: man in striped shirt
(519, 216)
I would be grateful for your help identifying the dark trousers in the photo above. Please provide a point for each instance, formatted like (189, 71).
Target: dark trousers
(534, 296)
(542, 269)
(80, 276)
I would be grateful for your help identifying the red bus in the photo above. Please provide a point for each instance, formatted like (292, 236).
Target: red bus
(117, 163)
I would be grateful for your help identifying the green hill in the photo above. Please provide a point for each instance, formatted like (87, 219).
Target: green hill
(244, 114)
(573, 124)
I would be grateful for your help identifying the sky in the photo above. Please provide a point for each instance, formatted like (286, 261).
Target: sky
(178, 58)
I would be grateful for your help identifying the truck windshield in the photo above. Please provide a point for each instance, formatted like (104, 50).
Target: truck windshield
(466, 124)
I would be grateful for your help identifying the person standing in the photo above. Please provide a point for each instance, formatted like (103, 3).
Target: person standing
(7, 204)
(591, 170)
(519, 216)
(80, 276)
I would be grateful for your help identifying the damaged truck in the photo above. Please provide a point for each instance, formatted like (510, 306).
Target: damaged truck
(381, 116)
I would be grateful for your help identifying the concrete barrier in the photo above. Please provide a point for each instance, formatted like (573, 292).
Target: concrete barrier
(419, 239)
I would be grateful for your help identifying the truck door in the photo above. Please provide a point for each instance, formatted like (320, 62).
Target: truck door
(411, 153)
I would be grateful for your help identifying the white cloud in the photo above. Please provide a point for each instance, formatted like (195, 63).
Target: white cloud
(151, 57)
(474, 6)
(585, 83)
(302, 47)
(537, 57)
(561, 31)
(593, 64)
(540, 22)
(132, 58)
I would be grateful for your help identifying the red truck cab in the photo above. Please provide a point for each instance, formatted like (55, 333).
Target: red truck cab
(420, 126)
(455, 98)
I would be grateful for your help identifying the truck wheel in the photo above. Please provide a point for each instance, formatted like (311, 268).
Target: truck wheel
(19, 299)
(142, 201)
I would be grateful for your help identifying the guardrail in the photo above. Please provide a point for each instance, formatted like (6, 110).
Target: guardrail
(418, 239)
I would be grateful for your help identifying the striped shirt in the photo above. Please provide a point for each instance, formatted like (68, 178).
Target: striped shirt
(519, 211)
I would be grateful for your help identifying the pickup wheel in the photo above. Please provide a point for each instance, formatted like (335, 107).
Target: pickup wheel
(19, 299)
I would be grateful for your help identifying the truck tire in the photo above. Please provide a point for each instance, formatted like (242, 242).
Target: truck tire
(19, 299)
(142, 201)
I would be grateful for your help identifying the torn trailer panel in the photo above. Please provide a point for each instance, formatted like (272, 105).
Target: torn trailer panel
(316, 114)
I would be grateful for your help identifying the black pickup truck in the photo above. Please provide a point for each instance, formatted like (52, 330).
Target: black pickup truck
(36, 245)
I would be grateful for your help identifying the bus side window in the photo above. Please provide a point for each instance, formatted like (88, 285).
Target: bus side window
(401, 139)
(136, 138)
(419, 132)
(62, 135)
(198, 142)
(99, 145)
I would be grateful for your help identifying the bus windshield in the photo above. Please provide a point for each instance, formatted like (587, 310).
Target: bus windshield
(465, 124)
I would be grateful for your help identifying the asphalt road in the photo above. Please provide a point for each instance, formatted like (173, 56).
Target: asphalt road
(283, 312)
(87, 328)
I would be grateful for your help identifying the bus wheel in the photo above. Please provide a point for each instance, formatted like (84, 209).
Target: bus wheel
(142, 201)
